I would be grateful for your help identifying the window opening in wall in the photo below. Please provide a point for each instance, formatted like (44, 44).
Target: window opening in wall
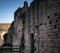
(32, 42)
(48, 17)
(48, 34)
(36, 26)
(41, 24)
(45, 23)
(23, 22)
(19, 30)
(49, 21)
(54, 26)
(41, 29)
(56, 21)
(55, 14)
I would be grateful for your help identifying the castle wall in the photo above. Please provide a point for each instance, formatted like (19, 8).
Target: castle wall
(42, 20)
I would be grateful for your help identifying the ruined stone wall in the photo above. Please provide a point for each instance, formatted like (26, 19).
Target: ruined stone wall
(44, 24)
(42, 20)
(17, 28)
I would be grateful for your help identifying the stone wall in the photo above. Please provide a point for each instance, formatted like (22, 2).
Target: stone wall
(40, 23)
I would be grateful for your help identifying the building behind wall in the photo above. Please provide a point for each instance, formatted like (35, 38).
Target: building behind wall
(37, 27)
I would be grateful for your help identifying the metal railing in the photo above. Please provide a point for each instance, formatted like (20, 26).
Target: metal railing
(18, 49)
(10, 49)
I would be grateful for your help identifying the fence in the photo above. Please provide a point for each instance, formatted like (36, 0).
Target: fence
(10, 49)
(17, 49)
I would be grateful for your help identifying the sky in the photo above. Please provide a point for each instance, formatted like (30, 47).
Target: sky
(7, 9)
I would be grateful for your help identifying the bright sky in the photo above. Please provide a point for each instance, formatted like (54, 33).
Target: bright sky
(7, 9)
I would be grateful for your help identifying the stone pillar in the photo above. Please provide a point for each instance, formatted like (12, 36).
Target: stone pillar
(26, 35)
(36, 29)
